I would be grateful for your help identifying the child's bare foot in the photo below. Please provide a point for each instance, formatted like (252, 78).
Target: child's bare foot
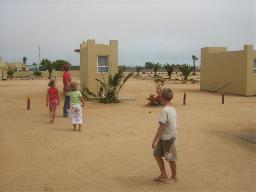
(74, 129)
(161, 178)
(171, 180)
(51, 121)
(79, 129)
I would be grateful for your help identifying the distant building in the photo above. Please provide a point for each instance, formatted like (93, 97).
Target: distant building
(97, 60)
(228, 71)
(18, 65)
(21, 66)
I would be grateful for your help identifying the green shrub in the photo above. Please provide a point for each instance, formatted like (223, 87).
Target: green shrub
(37, 73)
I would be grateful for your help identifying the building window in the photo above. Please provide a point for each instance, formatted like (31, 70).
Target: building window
(102, 64)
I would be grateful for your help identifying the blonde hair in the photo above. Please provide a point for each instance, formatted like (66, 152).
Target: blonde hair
(167, 94)
(73, 86)
(51, 83)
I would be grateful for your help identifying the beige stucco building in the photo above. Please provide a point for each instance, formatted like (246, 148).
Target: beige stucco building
(228, 71)
(97, 60)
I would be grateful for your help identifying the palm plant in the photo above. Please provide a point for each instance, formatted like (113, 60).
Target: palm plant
(169, 68)
(47, 65)
(185, 69)
(194, 58)
(113, 86)
(156, 66)
(11, 69)
(149, 65)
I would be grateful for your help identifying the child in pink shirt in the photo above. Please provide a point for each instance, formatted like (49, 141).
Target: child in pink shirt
(52, 99)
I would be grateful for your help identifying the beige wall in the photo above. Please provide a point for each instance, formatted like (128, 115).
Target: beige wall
(234, 69)
(89, 53)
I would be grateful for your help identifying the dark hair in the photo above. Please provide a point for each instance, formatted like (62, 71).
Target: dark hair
(66, 66)
(167, 94)
(73, 86)
(51, 83)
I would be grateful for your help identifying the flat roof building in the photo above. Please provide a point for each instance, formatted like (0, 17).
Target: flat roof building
(97, 61)
(228, 71)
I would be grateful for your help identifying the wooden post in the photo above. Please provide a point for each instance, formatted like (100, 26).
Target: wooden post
(222, 98)
(28, 103)
(184, 99)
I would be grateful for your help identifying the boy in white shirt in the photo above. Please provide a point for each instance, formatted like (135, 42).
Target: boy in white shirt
(164, 140)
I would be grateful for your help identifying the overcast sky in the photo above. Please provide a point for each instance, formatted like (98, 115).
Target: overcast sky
(147, 30)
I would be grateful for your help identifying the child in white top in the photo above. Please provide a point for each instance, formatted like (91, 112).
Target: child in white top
(164, 140)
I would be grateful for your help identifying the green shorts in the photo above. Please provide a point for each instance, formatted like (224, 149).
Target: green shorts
(166, 149)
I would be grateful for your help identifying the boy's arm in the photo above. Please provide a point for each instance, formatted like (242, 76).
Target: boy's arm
(158, 135)
(47, 98)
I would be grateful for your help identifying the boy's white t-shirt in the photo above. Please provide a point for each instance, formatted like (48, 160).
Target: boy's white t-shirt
(168, 117)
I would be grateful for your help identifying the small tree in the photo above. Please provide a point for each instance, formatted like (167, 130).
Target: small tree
(169, 68)
(149, 65)
(37, 73)
(11, 69)
(185, 69)
(194, 58)
(24, 60)
(113, 86)
(156, 66)
(138, 69)
(47, 65)
(59, 64)
(122, 68)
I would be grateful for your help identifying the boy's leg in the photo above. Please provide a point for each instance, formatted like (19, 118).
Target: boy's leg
(161, 166)
(158, 153)
(173, 169)
(171, 157)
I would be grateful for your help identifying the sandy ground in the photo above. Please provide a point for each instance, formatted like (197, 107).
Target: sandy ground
(113, 152)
